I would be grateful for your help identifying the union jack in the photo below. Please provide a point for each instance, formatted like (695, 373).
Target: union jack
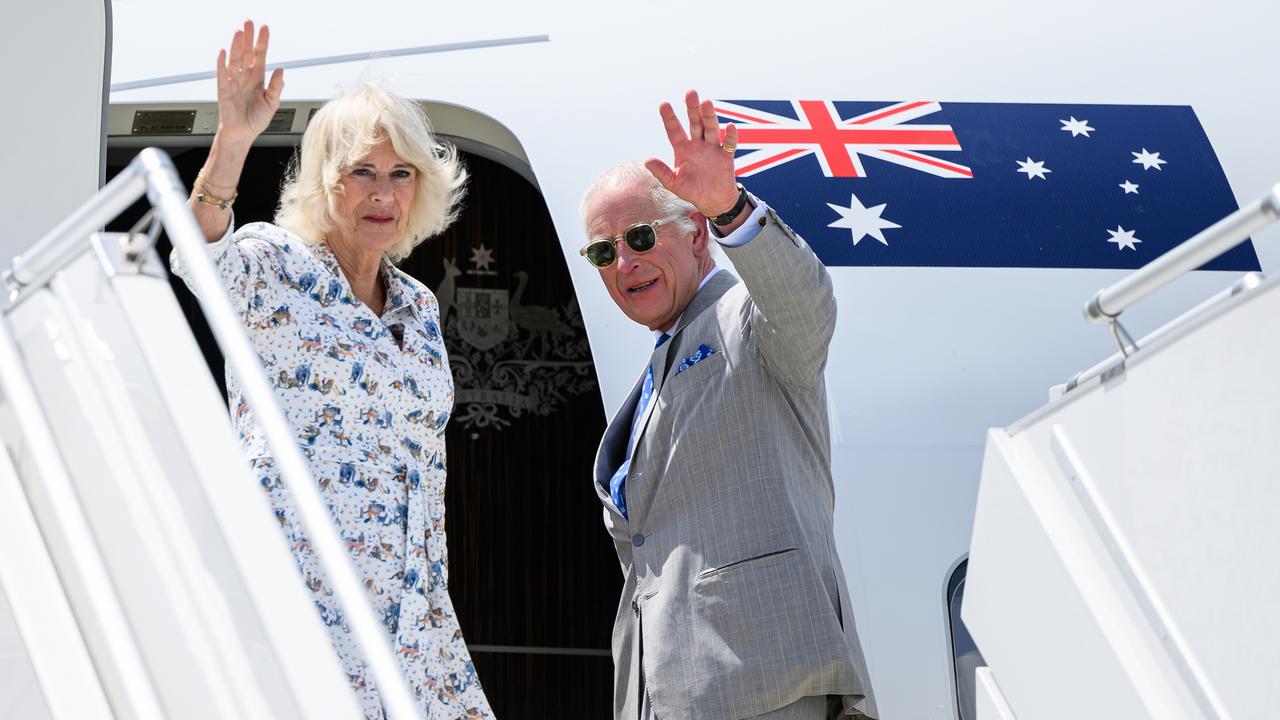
(840, 144)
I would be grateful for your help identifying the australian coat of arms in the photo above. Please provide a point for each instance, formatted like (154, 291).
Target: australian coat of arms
(509, 358)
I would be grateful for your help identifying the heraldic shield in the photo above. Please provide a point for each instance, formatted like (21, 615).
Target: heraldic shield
(483, 318)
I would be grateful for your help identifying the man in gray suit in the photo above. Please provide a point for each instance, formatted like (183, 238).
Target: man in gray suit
(716, 472)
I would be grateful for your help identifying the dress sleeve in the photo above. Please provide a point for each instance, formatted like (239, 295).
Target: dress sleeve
(244, 260)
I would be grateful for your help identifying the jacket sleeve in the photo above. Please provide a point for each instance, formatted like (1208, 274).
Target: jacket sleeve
(793, 308)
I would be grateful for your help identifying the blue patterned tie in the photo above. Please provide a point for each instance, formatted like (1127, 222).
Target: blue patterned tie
(617, 483)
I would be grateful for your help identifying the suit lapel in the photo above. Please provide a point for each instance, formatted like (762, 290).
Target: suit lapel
(710, 293)
(716, 287)
(614, 445)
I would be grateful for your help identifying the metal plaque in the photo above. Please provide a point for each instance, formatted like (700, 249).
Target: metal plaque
(282, 121)
(163, 122)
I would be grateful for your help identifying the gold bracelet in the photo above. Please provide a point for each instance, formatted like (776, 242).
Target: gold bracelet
(203, 196)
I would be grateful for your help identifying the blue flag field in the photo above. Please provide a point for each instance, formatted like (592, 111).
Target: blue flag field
(984, 184)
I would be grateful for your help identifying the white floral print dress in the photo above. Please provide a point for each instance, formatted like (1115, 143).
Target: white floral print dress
(370, 415)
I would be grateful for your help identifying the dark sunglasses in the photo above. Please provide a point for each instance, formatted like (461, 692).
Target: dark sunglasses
(640, 238)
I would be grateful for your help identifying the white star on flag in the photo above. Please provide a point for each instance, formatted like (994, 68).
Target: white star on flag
(1033, 169)
(1148, 160)
(1123, 238)
(861, 220)
(481, 257)
(1129, 188)
(1077, 127)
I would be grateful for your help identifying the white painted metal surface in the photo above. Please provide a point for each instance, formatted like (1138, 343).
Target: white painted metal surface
(33, 447)
(50, 139)
(168, 599)
(1124, 539)
(68, 685)
(991, 704)
(52, 118)
(23, 696)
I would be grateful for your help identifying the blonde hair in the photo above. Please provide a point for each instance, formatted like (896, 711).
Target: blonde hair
(343, 132)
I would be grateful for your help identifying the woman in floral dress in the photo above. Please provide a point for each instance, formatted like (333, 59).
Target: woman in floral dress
(354, 349)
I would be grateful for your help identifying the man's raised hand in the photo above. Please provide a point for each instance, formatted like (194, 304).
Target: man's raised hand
(703, 172)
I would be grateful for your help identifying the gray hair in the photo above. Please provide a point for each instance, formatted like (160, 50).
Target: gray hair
(634, 175)
(345, 131)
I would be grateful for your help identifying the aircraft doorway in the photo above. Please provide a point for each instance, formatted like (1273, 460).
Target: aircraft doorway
(533, 576)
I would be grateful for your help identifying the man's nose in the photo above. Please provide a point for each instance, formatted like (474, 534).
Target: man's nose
(627, 258)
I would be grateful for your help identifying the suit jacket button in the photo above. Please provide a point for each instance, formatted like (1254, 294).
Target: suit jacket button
(637, 540)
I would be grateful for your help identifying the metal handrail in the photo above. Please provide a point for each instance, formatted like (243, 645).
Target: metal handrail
(61, 244)
(1204, 246)
(1249, 282)
(152, 171)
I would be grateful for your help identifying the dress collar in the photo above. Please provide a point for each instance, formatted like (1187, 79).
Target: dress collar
(401, 293)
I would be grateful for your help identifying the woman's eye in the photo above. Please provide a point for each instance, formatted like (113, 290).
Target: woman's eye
(361, 172)
(401, 174)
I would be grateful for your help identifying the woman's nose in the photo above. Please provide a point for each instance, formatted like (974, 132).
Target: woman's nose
(382, 188)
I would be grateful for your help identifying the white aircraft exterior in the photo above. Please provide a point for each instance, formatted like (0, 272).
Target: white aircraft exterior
(925, 359)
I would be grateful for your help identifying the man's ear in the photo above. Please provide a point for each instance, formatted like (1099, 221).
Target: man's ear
(700, 237)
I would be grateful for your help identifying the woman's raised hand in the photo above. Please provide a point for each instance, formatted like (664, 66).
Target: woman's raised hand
(245, 107)
(245, 102)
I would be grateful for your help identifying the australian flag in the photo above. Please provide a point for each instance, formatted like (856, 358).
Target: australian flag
(984, 184)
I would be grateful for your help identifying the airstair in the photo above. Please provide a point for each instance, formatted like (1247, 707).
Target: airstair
(1124, 553)
(144, 570)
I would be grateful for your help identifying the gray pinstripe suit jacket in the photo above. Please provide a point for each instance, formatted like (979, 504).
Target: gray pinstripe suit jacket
(734, 603)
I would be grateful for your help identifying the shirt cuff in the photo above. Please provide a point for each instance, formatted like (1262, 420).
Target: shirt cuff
(747, 231)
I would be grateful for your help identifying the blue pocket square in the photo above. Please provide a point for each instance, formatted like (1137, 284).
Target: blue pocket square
(703, 353)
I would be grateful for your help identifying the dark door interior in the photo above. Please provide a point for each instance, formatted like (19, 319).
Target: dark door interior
(533, 576)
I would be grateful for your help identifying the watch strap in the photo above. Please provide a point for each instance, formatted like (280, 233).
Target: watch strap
(727, 217)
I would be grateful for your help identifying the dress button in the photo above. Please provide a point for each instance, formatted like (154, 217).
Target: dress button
(637, 540)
